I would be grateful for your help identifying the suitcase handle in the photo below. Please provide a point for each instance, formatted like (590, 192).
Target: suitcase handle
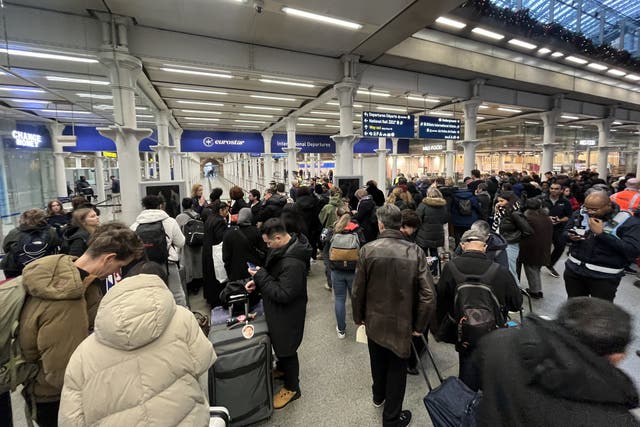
(422, 367)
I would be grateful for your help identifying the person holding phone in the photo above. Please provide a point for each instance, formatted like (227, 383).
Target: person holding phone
(560, 212)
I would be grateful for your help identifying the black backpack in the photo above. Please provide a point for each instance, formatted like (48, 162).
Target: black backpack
(465, 208)
(155, 241)
(476, 307)
(193, 231)
(32, 245)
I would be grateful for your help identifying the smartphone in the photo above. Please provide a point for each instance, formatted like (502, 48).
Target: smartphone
(251, 266)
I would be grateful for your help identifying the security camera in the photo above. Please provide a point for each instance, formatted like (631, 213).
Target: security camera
(258, 5)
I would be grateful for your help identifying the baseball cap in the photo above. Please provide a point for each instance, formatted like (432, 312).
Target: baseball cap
(473, 236)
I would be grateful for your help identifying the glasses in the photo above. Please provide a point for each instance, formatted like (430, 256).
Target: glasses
(590, 209)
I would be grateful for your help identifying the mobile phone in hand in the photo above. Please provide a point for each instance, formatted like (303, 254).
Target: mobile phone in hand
(251, 266)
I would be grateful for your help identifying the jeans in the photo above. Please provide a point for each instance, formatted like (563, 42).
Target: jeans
(389, 373)
(581, 286)
(175, 285)
(327, 263)
(290, 365)
(513, 249)
(341, 280)
(533, 277)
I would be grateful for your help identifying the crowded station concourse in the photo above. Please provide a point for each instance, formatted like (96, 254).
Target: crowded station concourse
(323, 206)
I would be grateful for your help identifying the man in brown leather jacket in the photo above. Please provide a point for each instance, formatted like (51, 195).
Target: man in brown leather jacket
(393, 294)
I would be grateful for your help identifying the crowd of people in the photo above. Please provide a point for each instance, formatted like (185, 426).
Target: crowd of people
(449, 256)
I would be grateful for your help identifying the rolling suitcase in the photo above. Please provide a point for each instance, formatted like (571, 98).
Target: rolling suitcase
(219, 416)
(240, 379)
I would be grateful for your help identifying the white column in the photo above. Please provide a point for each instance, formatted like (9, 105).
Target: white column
(176, 135)
(345, 91)
(470, 127)
(99, 162)
(163, 149)
(450, 154)
(604, 132)
(291, 150)
(58, 158)
(382, 164)
(318, 165)
(268, 159)
(550, 121)
(185, 158)
(148, 165)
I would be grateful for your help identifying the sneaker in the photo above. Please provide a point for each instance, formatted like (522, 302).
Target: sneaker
(341, 334)
(284, 397)
(328, 287)
(404, 419)
(553, 272)
(378, 404)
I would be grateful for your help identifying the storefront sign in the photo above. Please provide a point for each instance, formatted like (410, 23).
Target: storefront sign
(110, 154)
(306, 143)
(387, 125)
(26, 139)
(438, 128)
(433, 147)
(28, 136)
(587, 142)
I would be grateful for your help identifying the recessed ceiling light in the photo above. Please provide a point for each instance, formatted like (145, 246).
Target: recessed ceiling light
(94, 95)
(322, 18)
(544, 51)
(451, 22)
(264, 116)
(65, 111)
(597, 66)
(325, 113)
(398, 109)
(211, 104)
(509, 110)
(305, 124)
(421, 99)
(204, 119)
(42, 55)
(336, 103)
(147, 116)
(201, 112)
(259, 107)
(373, 93)
(74, 80)
(615, 72)
(486, 33)
(503, 130)
(576, 60)
(616, 123)
(484, 107)
(275, 98)
(198, 73)
(249, 121)
(312, 119)
(557, 54)
(208, 92)
(19, 89)
(287, 83)
(441, 113)
(30, 101)
(480, 118)
(633, 77)
(567, 117)
(576, 127)
(331, 126)
(522, 44)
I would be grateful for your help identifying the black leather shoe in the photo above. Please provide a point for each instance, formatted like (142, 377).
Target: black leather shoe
(412, 370)
(404, 419)
(535, 295)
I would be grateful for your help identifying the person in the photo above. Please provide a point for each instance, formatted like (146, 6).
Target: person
(375, 192)
(496, 244)
(510, 224)
(153, 213)
(241, 245)
(566, 192)
(410, 224)
(475, 180)
(272, 206)
(401, 199)
(198, 201)
(83, 188)
(56, 216)
(535, 250)
(60, 308)
(604, 241)
(293, 191)
(79, 202)
(191, 260)
(364, 213)
(283, 285)
(433, 214)
(629, 198)
(328, 216)
(473, 262)
(84, 222)
(115, 193)
(559, 372)
(484, 201)
(391, 259)
(309, 209)
(255, 205)
(560, 212)
(464, 211)
(145, 368)
(215, 195)
(236, 195)
(215, 225)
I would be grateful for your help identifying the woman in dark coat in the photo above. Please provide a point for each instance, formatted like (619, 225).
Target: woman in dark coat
(309, 208)
(215, 226)
(365, 215)
(535, 250)
(242, 244)
(433, 213)
(237, 200)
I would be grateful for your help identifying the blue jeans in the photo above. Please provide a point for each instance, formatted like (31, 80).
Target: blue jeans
(513, 249)
(341, 280)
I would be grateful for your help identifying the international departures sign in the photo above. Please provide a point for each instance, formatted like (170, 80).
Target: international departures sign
(387, 125)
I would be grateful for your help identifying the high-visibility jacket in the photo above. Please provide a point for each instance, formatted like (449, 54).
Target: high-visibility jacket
(628, 200)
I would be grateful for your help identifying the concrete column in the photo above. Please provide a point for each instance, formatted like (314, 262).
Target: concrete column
(345, 91)
(291, 150)
(550, 121)
(394, 159)
(147, 165)
(318, 165)
(58, 157)
(186, 170)
(268, 159)
(604, 132)
(163, 149)
(245, 171)
(450, 154)
(99, 162)
(382, 164)
(470, 127)
(176, 135)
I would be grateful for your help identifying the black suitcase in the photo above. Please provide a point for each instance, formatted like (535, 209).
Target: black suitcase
(240, 379)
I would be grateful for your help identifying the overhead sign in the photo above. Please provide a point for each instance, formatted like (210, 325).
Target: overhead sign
(388, 125)
(587, 142)
(26, 139)
(88, 139)
(110, 154)
(433, 148)
(438, 128)
(28, 136)
(306, 143)
(221, 142)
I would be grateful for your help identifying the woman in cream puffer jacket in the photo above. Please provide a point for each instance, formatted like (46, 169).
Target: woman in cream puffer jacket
(141, 365)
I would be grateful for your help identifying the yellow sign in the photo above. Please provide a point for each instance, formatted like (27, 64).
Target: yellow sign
(110, 154)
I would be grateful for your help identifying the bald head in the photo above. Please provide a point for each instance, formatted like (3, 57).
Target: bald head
(632, 184)
(597, 204)
(597, 198)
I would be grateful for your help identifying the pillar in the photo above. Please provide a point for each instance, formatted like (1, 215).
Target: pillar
(186, 171)
(382, 164)
(148, 165)
(291, 150)
(58, 158)
(176, 135)
(99, 162)
(394, 159)
(345, 91)
(163, 149)
(268, 159)
(470, 142)
(550, 121)
(450, 153)
(604, 131)
(244, 183)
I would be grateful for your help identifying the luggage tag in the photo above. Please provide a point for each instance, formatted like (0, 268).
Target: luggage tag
(248, 331)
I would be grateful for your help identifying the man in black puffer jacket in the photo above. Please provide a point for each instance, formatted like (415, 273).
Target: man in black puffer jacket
(271, 206)
(559, 372)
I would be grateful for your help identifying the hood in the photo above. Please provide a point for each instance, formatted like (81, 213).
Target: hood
(496, 242)
(74, 232)
(335, 200)
(134, 313)
(463, 194)
(151, 215)
(277, 200)
(245, 216)
(32, 227)
(298, 248)
(434, 201)
(557, 362)
(55, 277)
(306, 202)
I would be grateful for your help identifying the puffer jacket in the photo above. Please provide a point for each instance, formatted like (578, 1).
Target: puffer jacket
(393, 291)
(175, 238)
(272, 207)
(141, 366)
(56, 317)
(328, 215)
(75, 241)
(434, 214)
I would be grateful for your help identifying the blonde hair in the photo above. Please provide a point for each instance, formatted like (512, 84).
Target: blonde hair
(78, 219)
(448, 181)
(341, 223)
(194, 189)
(434, 192)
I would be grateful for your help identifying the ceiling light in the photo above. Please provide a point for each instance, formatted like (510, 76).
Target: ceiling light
(198, 73)
(399, 109)
(616, 123)
(258, 107)
(451, 22)
(332, 126)
(633, 77)
(484, 107)
(74, 80)
(288, 83)
(480, 118)
(264, 116)
(503, 130)
(544, 51)
(486, 33)
(247, 126)
(305, 124)
(94, 95)
(29, 101)
(567, 117)
(249, 121)
(597, 66)
(212, 104)
(531, 123)
(27, 53)
(312, 119)
(522, 44)
(146, 116)
(509, 110)
(65, 112)
(321, 18)
(325, 113)
(441, 113)
(204, 119)
(421, 99)
(25, 90)
(615, 72)
(373, 93)
(576, 127)
(576, 60)
(336, 103)
(557, 54)
(275, 98)
(201, 112)
(208, 92)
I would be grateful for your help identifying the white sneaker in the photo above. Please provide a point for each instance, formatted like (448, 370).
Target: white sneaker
(341, 334)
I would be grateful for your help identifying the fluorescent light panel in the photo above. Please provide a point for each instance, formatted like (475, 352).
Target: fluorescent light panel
(322, 18)
(264, 116)
(204, 119)
(64, 111)
(211, 104)
(75, 80)
(287, 83)
(338, 104)
(544, 51)
(275, 98)
(373, 93)
(312, 119)
(567, 117)
(399, 109)
(247, 126)
(421, 99)
(509, 110)
(441, 113)
(451, 22)
(557, 54)
(25, 90)
(596, 66)
(259, 107)
(208, 92)
(617, 73)
(94, 95)
(30, 101)
(633, 77)
(325, 113)
(249, 121)
(486, 33)
(201, 112)
(43, 55)
(305, 124)
(522, 44)
(198, 73)
(576, 60)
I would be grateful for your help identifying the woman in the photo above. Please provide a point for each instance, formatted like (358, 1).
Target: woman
(309, 207)
(215, 225)
(365, 214)
(433, 214)
(198, 201)
(215, 195)
(397, 198)
(241, 245)
(56, 216)
(535, 250)
(237, 200)
(142, 364)
(510, 224)
(342, 273)
(575, 205)
(84, 223)
(191, 259)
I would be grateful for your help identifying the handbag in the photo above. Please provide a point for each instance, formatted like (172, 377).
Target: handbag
(218, 263)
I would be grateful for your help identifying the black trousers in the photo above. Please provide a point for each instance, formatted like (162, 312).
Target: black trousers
(290, 365)
(581, 286)
(468, 372)
(47, 414)
(6, 417)
(558, 245)
(389, 373)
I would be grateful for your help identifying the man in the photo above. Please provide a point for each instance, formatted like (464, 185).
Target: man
(604, 240)
(60, 309)
(465, 210)
(391, 269)
(255, 205)
(473, 262)
(174, 240)
(629, 198)
(271, 206)
(560, 212)
(293, 191)
(375, 192)
(475, 180)
(559, 372)
(283, 285)
(115, 193)
(84, 188)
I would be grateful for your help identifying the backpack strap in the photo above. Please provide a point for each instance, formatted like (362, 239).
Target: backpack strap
(486, 277)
